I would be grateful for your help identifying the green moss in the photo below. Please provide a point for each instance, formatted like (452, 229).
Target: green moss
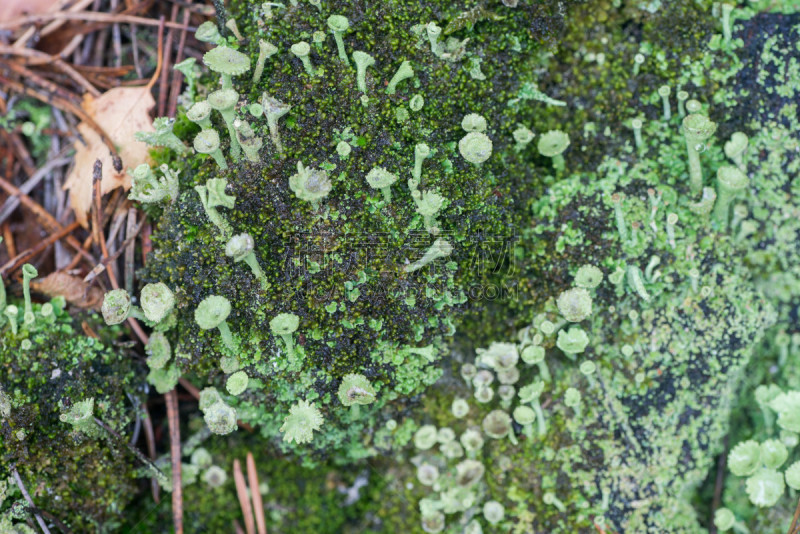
(296, 499)
(83, 479)
(682, 327)
(312, 256)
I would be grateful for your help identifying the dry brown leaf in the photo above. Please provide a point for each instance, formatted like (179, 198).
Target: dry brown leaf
(121, 112)
(73, 288)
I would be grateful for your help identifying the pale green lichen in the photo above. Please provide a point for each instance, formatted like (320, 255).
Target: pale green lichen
(227, 62)
(552, 144)
(380, 178)
(311, 185)
(696, 129)
(211, 313)
(475, 147)
(157, 301)
(237, 383)
(356, 389)
(303, 420)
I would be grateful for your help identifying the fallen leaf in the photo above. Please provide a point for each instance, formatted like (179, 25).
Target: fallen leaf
(73, 288)
(120, 112)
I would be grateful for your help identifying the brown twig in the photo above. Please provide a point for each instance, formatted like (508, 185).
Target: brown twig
(100, 267)
(61, 103)
(147, 244)
(258, 506)
(165, 65)
(44, 217)
(27, 34)
(85, 16)
(8, 239)
(19, 149)
(175, 452)
(19, 259)
(108, 259)
(244, 501)
(27, 496)
(88, 330)
(12, 202)
(794, 527)
(147, 423)
(177, 77)
(160, 53)
(191, 388)
(76, 259)
(34, 79)
(57, 61)
(97, 225)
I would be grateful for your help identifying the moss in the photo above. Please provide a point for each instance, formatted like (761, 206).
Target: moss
(352, 249)
(296, 499)
(669, 367)
(683, 322)
(84, 481)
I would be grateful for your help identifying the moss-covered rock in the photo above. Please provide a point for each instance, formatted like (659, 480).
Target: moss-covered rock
(376, 278)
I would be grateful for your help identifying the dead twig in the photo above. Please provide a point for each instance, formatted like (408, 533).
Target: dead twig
(24, 156)
(76, 259)
(188, 386)
(258, 506)
(43, 216)
(175, 452)
(44, 59)
(27, 34)
(59, 102)
(8, 240)
(177, 77)
(86, 16)
(794, 528)
(100, 267)
(97, 225)
(37, 83)
(147, 423)
(13, 201)
(18, 260)
(165, 65)
(27, 496)
(244, 501)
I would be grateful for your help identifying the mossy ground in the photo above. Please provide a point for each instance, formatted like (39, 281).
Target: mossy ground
(46, 368)
(669, 354)
(690, 316)
(340, 267)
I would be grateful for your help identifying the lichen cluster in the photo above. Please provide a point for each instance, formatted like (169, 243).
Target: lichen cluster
(361, 175)
(639, 270)
(371, 189)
